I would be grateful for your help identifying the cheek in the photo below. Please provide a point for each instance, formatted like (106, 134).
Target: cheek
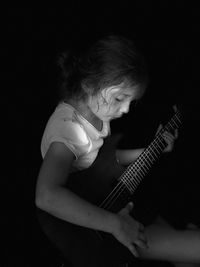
(104, 110)
(114, 107)
(108, 106)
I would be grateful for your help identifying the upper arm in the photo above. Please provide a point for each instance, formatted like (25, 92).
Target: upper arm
(55, 168)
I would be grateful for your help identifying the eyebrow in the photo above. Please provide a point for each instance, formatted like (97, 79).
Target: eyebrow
(127, 95)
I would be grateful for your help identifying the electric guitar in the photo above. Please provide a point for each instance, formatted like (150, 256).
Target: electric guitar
(110, 186)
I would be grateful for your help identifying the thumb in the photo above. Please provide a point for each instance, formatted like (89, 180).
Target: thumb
(159, 128)
(129, 207)
(175, 108)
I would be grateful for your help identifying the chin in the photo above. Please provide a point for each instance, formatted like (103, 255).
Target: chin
(108, 119)
(113, 118)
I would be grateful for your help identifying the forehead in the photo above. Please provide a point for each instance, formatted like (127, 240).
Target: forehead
(132, 92)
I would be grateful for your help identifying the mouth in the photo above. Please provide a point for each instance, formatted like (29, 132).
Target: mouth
(118, 115)
(115, 116)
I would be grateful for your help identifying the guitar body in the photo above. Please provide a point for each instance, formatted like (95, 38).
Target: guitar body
(86, 247)
(95, 183)
(108, 185)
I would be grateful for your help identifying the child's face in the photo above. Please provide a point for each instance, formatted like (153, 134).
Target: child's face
(113, 102)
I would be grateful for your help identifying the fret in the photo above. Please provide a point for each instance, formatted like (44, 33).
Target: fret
(145, 157)
(136, 171)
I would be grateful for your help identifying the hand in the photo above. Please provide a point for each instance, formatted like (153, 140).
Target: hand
(169, 139)
(130, 232)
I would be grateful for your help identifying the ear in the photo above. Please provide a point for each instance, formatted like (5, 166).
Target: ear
(85, 88)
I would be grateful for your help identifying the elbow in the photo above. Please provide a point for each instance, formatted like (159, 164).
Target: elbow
(46, 198)
(39, 202)
(42, 199)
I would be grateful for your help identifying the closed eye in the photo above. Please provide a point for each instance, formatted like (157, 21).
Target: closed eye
(119, 99)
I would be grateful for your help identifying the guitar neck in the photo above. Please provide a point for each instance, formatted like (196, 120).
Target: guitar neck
(136, 171)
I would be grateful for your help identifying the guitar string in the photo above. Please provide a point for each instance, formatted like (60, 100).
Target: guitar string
(134, 185)
(124, 183)
(122, 187)
(145, 158)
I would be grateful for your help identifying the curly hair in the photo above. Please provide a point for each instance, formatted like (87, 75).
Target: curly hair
(111, 61)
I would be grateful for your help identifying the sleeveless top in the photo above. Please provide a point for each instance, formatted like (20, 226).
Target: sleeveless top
(68, 126)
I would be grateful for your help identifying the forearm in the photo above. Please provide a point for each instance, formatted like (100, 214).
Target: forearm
(127, 156)
(67, 206)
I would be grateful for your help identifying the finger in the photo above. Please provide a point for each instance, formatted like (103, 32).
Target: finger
(176, 134)
(143, 239)
(142, 236)
(167, 140)
(168, 137)
(175, 108)
(130, 206)
(159, 128)
(173, 136)
(127, 209)
(133, 250)
(141, 227)
(141, 244)
(168, 134)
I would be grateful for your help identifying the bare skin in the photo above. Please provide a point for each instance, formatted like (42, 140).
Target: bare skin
(182, 248)
(158, 241)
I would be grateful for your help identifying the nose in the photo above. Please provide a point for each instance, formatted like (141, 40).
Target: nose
(125, 108)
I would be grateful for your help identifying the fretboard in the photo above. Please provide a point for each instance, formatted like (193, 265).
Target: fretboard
(136, 171)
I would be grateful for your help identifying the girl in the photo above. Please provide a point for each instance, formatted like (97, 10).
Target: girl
(97, 87)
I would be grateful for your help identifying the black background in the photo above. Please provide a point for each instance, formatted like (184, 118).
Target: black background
(167, 33)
